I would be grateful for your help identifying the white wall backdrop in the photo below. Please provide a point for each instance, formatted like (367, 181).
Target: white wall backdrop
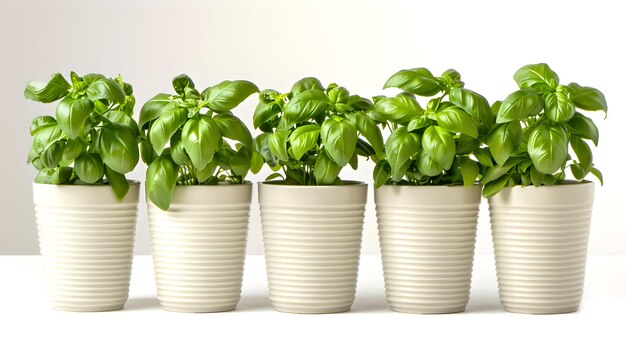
(356, 43)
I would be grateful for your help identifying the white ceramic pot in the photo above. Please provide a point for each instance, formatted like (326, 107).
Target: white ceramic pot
(312, 239)
(199, 246)
(540, 239)
(86, 238)
(427, 236)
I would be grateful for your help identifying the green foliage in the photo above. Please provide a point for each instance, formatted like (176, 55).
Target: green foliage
(431, 145)
(92, 139)
(184, 138)
(312, 132)
(536, 127)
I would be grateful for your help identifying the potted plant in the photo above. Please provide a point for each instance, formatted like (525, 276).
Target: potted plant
(312, 220)
(540, 220)
(86, 209)
(426, 195)
(198, 197)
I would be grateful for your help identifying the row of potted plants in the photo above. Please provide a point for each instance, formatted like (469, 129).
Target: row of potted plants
(428, 179)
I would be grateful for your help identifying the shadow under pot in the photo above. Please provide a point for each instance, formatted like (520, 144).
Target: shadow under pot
(427, 237)
(540, 237)
(86, 239)
(199, 246)
(312, 240)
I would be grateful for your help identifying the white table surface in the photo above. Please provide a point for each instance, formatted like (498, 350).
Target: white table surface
(27, 322)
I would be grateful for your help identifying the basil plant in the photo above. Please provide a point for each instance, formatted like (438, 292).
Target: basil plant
(431, 145)
(535, 128)
(183, 138)
(92, 138)
(312, 132)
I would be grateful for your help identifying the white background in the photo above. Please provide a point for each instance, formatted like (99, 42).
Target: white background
(358, 44)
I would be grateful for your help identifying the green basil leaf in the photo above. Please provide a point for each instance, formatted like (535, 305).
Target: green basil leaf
(118, 147)
(418, 81)
(305, 106)
(547, 147)
(400, 147)
(59, 175)
(153, 107)
(339, 140)
(583, 152)
(469, 170)
(519, 106)
(497, 171)
(120, 117)
(532, 75)
(493, 187)
(118, 182)
(53, 154)
(233, 128)
(261, 146)
(368, 128)
(338, 96)
(475, 105)
(587, 98)
(89, 167)
(46, 136)
(455, 120)
(439, 145)
(596, 172)
(40, 123)
(399, 109)
(71, 115)
(264, 113)
(256, 163)
(427, 165)
(536, 176)
(303, 139)
(484, 157)
(358, 103)
(382, 172)
(277, 143)
(583, 127)
(161, 178)
(201, 137)
(305, 84)
(240, 162)
(56, 88)
(92, 77)
(466, 144)
(325, 170)
(74, 148)
(558, 107)
(108, 89)
(181, 82)
(162, 129)
(504, 140)
(177, 150)
(202, 175)
(228, 94)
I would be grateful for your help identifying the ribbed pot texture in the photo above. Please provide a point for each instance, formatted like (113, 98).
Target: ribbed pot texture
(427, 236)
(86, 239)
(540, 237)
(199, 246)
(312, 239)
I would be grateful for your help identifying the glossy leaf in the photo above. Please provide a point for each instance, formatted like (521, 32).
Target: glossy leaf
(161, 178)
(400, 147)
(399, 109)
(427, 165)
(339, 140)
(119, 148)
(71, 115)
(53, 154)
(56, 88)
(305, 106)
(583, 152)
(439, 145)
(277, 143)
(558, 107)
(177, 150)
(418, 81)
(583, 127)
(587, 98)
(381, 174)
(162, 129)
(200, 137)
(455, 120)
(469, 170)
(494, 187)
(233, 128)
(89, 167)
(303, 139)
(241, 161)
(40, 123)
(547, 147)
(519, 106)
(153, 107)
(368, 129)
(228, 94)
(264, 113)
(305, 84)
(504, 140)
(532, 75)
(325, 171)
(475, 105)
(117, 181)
(181, 82)
(108, 89)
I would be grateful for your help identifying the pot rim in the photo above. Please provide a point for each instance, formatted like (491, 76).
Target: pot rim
(566, 182)
(220, 184)
(278, 183)
(432, 186)
(129, 181)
